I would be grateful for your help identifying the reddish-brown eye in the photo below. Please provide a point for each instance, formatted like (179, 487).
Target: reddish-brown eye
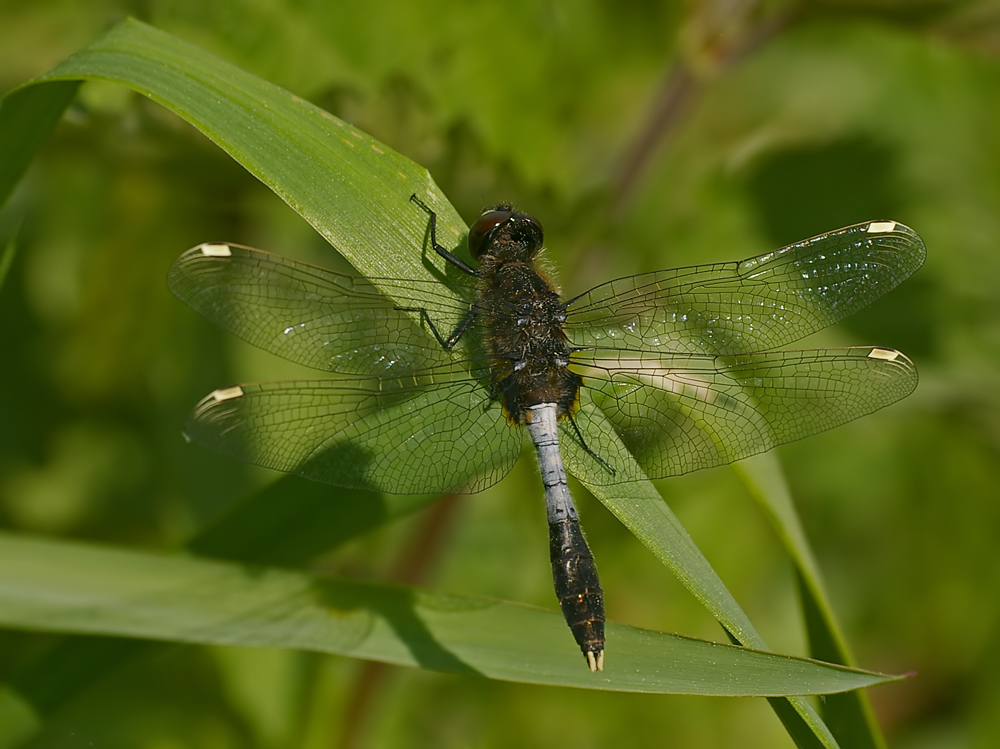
(482, 227)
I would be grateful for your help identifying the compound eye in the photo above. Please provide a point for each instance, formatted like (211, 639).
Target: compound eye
(536, 224)
(481, 229)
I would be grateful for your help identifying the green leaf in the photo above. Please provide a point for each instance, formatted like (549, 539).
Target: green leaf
(638, 505)
(27, 116)
(293, 521)
(68, 587)
(353, 189)
(850, 716)
(287, 524)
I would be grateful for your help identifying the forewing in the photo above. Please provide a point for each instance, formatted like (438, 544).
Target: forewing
(685, 412)
(757, 304)
(403, 435)
(312, 316)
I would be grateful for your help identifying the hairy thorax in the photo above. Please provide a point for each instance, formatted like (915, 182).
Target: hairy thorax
(523, 318)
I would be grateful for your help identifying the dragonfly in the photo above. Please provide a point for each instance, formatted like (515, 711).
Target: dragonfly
(651, 375)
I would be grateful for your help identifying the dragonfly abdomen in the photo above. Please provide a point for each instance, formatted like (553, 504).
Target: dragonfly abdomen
(574, 571)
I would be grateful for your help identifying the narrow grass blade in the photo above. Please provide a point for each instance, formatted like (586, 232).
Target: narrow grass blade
(849, 716)
(27, 116)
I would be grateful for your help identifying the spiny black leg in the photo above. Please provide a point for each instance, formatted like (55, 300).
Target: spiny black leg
(586, 447)
(454, 260)
(451, 258)
(453, 338)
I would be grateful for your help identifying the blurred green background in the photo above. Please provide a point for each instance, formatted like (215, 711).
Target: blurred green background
(643, 135)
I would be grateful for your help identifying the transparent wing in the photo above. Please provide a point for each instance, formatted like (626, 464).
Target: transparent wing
(434, 432)
(757, 304)
(312, 316)
(683, 412)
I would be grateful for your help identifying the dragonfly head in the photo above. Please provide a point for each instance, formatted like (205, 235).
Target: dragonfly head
(502, 230)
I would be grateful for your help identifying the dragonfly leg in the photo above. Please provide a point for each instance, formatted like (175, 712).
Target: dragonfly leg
(451, 340)
(440, 250)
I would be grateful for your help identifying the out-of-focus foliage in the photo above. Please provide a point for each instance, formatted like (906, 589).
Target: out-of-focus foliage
(788, 122)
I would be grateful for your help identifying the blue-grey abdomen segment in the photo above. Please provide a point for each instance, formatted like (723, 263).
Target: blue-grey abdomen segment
(577, 585)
